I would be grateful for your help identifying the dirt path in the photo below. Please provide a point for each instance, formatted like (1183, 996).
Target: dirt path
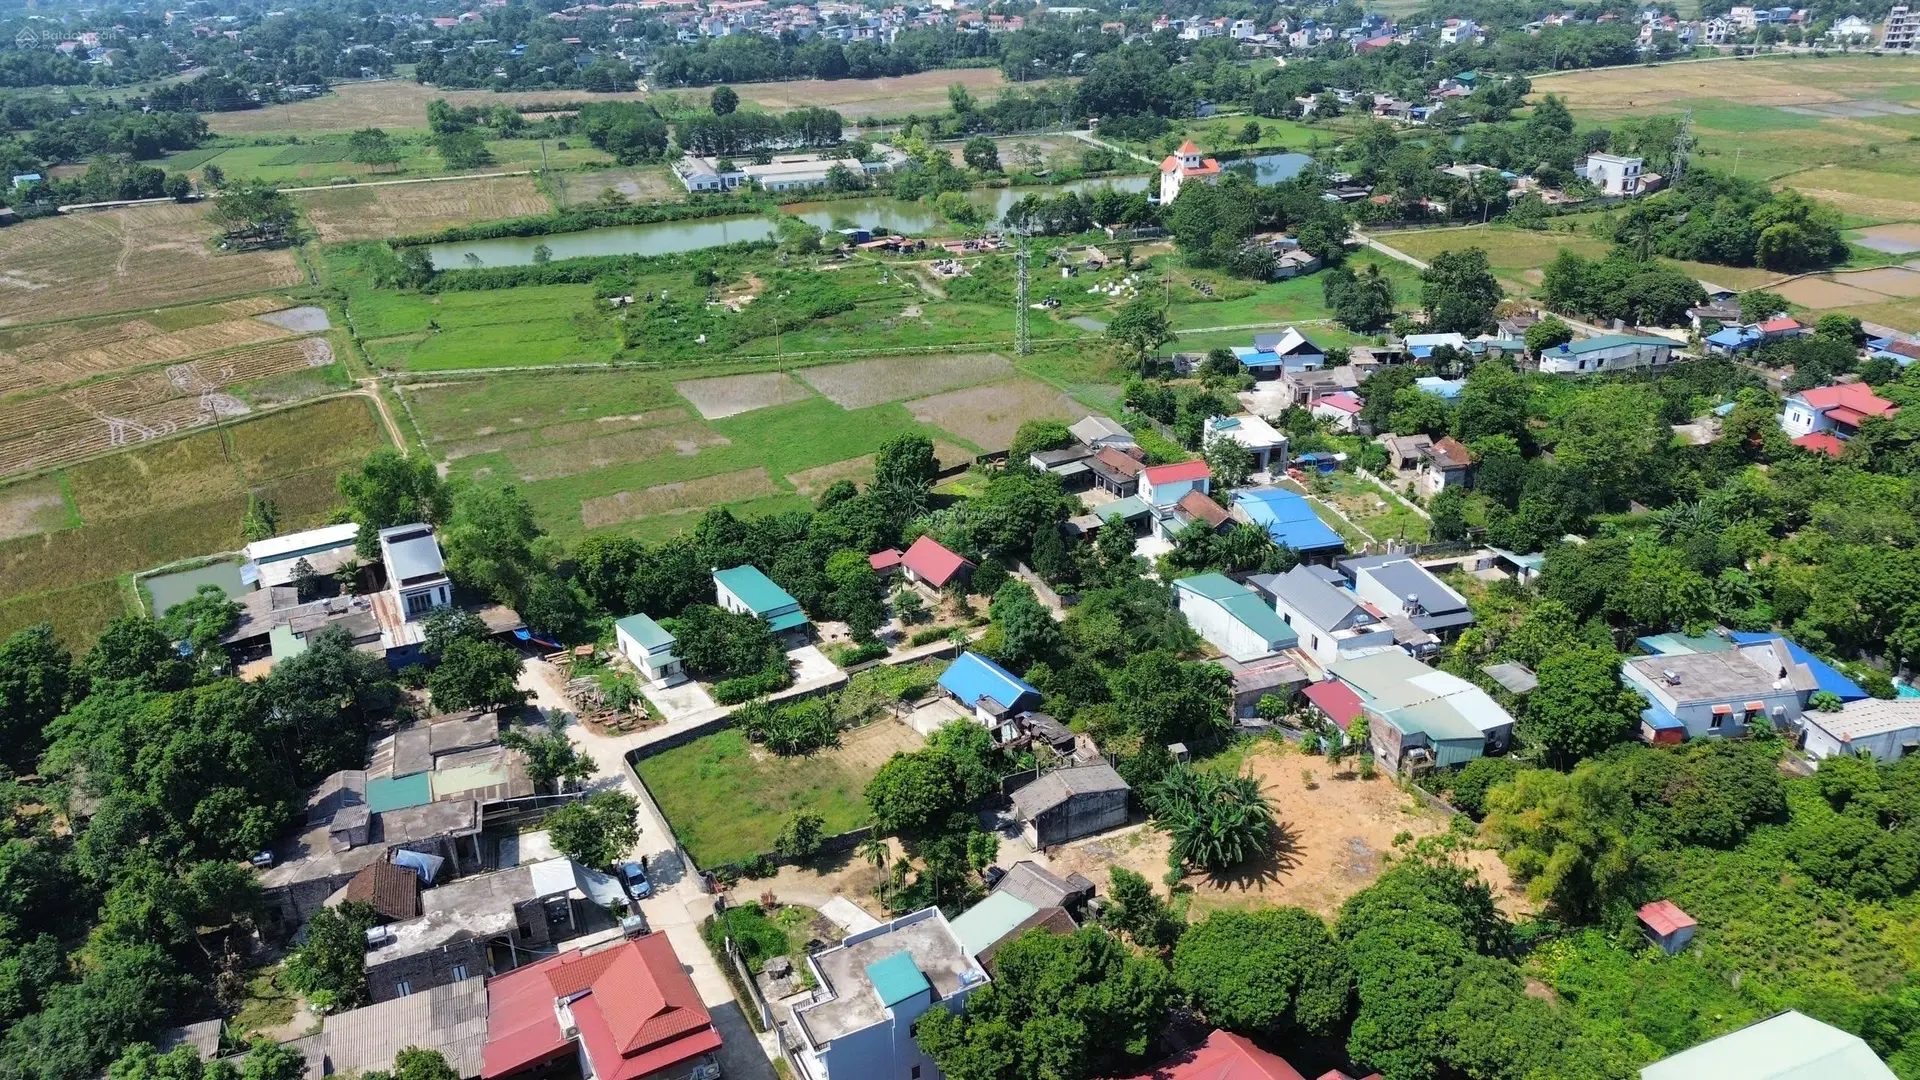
(370, 388)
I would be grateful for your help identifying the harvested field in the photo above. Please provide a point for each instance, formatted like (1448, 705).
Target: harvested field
(988, 416)
(897, 378)
(1822, 293)
(731, 395)
(1870, 207)
(32, 507)
(1753, 82)
(1336, 838)
(72, 557)
(1894, 239)
(922, 92)
(254, 305)
(1889, 281)
(66, 354)
(548, 462)
(300, 320)
(813, 481)
(153, 478)
(114, 260)
(334, 432)
(373, 213)
(677, 498)
(392, 103)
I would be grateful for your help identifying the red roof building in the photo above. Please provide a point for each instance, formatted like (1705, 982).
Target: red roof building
(1779, 326)
(1668, 926)
(1183, 165)
(885, 562)
(1178, 472)
(1199, 507)
(929, 561)
(1223, 1057)
(1822, 419)
(1336, 699)
(632, 1008)
(1821, 442)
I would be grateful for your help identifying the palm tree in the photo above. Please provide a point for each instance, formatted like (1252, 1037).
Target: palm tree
(876, 852)
(1217, 822)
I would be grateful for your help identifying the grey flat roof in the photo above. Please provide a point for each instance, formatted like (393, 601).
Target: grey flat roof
(415, 558)
(1515, 678)
(1318, 602)
(451, 1019)
(1707, 676)
(924, 936)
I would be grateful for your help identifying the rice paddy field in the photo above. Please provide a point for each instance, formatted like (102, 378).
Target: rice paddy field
(379, 211)
(73, 537)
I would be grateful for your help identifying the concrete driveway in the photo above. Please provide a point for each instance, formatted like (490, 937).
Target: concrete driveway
(810, 664)
(678, 702)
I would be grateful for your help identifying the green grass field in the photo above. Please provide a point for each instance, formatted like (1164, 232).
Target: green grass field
(175, 500)
(323, 160)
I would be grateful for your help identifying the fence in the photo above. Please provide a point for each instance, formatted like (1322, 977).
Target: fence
(753, 988)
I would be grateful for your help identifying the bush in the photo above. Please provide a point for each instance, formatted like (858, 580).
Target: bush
(928, 636)
(801, 836)
(760, 866)
(789, 730)
(850, 655)
(1469, 787)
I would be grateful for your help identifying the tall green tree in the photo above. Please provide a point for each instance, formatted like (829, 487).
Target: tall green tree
(1459, 292)
(1269, 971)
(392, 489)
(597, 831)
(489, 540)
(36, 673)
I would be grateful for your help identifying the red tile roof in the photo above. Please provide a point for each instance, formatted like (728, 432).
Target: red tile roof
(636, 1010)
(1223, 1057)
(1664, 917)
(393, 890)
(1821, 442)
(1779, 326)
(1123, 463)
(1207, 167)
(884, 560)
(1188, 147)
(1201, 508)
(1177, 472)
(1336, 699)
(1343, 401)
(1856, 396)
(932, 563)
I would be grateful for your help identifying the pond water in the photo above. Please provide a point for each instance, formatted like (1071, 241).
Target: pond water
(1271, 169)
(915, 218)
(170, 589)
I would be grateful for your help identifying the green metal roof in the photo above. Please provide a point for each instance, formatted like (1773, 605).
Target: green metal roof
(1126, 509)
(285, 643)
(1251, 611)
(398, 792)
(990, 920)
(1613, 341)
(788, 621)
(897, 978)
(755, 589)
(450, 783)
(646, 633)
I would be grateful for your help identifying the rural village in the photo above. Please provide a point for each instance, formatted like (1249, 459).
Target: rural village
(698, 539)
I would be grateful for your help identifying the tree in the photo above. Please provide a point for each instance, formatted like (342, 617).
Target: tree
(1134, 910)
(201, 621)
(488, 542)
(1140, 326)
(372, 147)
(1459, 292)
(1232, 463)
(800, 836)
(1579, 708)
(1838, 326)
(329, 697)
(1022, 631)
(391, 489)
(1217, 822)
(596, 831)
(1759, 305)
(1266, 971)
(1548, 333)
(476, 675)
(134, 648)
(552, 759)
(463, 149)
(36, 673)
(333, 956)
(269, 1060)
(1250, 133)
(417, 1063)
(1037, 435)
(905, 466)
(1361, 302)
(981, 153)
(1170, 700)
(254, 214)
(555, 606)
(1566, 836)
(1449, 513)
(912, 792)
(723, 100)
(1058, 1008)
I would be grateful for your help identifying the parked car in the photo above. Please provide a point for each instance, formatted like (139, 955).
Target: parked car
(633, 876)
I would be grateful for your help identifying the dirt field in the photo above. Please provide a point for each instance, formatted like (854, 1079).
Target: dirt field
(860, 470)
(1897, 239)
(115, 260)
(731, 395)
(655, 185)
(1891, 281)
(1754, 82)
(549, 461)
(677, 498)
(988, 416)
(1338, 835)
(35, 506)
(1821, 293)
(897, 378)
(372, 213)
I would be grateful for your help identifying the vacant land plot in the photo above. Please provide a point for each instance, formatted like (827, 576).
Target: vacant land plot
(1380, 514)
(1823, 293)
(376, 212)
(36, 506)
(897, 378)
(641, 185)
(988, 416)
(677, 498)
(730, 395)
(113, 260)
(1336, 833)
(816, 480)
(1890, 281)
(1515, 255)
(726, 799)
(899, 96)
(559, 459)
(474, 408)
(1885, 296)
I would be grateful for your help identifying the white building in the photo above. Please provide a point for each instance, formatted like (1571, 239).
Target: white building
(1903, 28)
(872, 988)
(1330, 622)
(1717, 694)
(1743, 17)
(1182, 166)
(1268, 446)
(1852, 28)
(1609, 352)
(1614, 174)
(1887, 730)
(1232, 617)
(416, 575)
(1457, 31)
(1164, 485)
(271, 562)
(791, 172)
(648, 645)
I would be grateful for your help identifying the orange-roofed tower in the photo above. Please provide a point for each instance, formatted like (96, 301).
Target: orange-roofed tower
(1184, 165)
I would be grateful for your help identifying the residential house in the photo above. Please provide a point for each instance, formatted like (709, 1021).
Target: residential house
(1824, 418)
(1717, 694)
(1293, 263)
(1164, 485)
(1902, 29)
(928, 562)
(1458, 32)
(1787, 1046)
(1268, 446)
(1273, 354)
(1448, 390)
(996, 697)
(1886, 730)
(629, 1012)
(1067, 804)
(873, 987)
(391, 890)
(1309, 385)
(478, 925)
(1339, 411)
(1898, 350)
(1043, 888)
(1779, 328)
(1225, 1056)
(1730, 340)
(1069, 463)
(1851, 29)
(1446, 464)
(1609, 352)
(327, 550)
(1116, 472)
(1328, 622)
(1195, 508)
(1723, 312)
(745, 589)
(1616, 174)
(1404, 589)
(1421, 346)
(1232, 617)
(1290, 520)
(650, 648)
(1183, 166)
(1003, 917)
(450, 1019)
(1667, 926)
(1419, 718)
(1406, 452)
(1102, 433)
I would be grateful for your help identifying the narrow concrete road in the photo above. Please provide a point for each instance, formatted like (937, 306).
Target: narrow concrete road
(1087, 137)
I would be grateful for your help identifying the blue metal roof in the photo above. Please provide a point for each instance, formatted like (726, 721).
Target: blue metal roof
(1660, 719)
(1288, 518)
(1824, 674)
(972, 676)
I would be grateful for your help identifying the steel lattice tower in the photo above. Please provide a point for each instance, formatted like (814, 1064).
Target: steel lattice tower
(1022, 331)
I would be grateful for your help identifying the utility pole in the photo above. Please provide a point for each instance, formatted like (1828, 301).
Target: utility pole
(1022, 314)
(1682, 144)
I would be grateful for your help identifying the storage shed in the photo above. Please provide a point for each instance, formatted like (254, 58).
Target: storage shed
(1667, 926)
(1067, 804)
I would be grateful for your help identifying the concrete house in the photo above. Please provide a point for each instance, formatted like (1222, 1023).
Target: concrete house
(1116, 472)
(1885, 730)
(745, 589)
(1789, 1046)
(1446, 463)
(996, 697)
(1289, 519)
(1717, 694)
(1272, 354)
(1340, 411)
(650, 648)
(1067, 804)
(1397, 585)
(1183, 166)
(1232, 617)
(1267, 445)
(873, 986)
(1609, 352)
(327, 549)
(928, 562)
(1824, 418)
(1164, 485)
(1419, 718)
(1615, 174)
(416, 574)
(1328, 622)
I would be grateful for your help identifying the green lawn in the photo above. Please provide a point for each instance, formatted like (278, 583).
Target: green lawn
(726, 800)
(1293, 300)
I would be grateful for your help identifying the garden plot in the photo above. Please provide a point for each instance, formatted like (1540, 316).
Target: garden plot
(988, 416)
(115, 260)
(682, 497)
(731, 395)
(898, 378)
(551, 461)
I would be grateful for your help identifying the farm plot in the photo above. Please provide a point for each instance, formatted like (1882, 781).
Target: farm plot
(1900, 239)
(644, 185)
(897, 378)
(725, 799)
(372, 213)
(988, 416)
(1516, 256)
(680, 497)
(921, 92)
(812, 482)
(148, 405)
(556, 460)
(64, 355)
(730, 395)
(392, 103)
(32, 508)
(476, 408)
(115, 260)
